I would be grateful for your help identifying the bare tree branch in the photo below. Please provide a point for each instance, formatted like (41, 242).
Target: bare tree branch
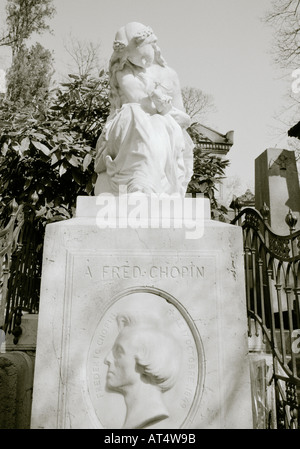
(197, 103)
(285, 18)
(85, 55)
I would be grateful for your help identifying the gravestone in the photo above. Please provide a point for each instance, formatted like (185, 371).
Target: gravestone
(277, 185)
(182, 281)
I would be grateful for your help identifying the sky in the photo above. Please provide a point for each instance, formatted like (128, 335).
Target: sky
(222, 47)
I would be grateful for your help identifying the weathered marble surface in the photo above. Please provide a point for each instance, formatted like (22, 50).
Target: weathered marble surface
(194, 287)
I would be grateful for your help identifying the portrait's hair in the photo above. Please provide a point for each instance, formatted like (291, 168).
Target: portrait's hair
(119, 59)
(157, 353)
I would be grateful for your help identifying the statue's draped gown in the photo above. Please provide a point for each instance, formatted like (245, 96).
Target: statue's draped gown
(143, 151)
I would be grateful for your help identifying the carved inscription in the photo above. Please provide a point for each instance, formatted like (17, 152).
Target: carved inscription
(97, 357)
(191, 360)
(159, 271)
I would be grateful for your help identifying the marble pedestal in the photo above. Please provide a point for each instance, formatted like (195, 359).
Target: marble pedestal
(191, 288)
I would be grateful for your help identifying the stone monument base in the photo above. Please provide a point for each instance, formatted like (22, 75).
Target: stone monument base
(179, 273)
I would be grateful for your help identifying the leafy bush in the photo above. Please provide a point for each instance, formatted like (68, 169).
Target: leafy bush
(47, 158)
(208, 171)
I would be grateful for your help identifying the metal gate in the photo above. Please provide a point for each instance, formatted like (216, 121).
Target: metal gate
(20, 271)
(272, 271)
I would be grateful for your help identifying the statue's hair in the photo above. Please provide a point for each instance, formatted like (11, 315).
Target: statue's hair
(157, 353)
(118, 61)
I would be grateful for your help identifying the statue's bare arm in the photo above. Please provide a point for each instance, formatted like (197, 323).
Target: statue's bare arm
(134, 90)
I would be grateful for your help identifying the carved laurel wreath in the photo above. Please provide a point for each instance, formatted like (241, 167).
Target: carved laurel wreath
(139, 38)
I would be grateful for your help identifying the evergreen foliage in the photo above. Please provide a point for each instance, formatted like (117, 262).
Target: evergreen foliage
(29, 77)
(47, 158)
(23, 18)
(209, 170)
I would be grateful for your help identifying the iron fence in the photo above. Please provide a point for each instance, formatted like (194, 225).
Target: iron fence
(20, 271)
(272, 271)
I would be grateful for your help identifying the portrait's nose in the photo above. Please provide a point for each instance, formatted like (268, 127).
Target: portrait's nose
(108, 359)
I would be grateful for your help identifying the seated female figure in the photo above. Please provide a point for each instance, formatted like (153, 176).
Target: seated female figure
(144, 144)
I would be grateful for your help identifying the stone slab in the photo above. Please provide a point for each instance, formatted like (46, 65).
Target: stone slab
(277, 185)
(195, 287)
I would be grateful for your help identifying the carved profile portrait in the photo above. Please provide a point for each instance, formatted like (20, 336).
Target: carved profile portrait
(142, 364)
(145, 363)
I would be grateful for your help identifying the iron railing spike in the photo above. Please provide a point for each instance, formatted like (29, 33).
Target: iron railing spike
(265, 211)
(291, 220)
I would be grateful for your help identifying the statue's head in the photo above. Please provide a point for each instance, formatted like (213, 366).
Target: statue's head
(142, 352)
(132, 35)
(137, 43)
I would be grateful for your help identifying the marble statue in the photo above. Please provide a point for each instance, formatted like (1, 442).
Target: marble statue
(143, 363)
(144, 144)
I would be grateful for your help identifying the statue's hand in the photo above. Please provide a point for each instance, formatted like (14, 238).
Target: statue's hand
(162, 102)
(181, 117)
